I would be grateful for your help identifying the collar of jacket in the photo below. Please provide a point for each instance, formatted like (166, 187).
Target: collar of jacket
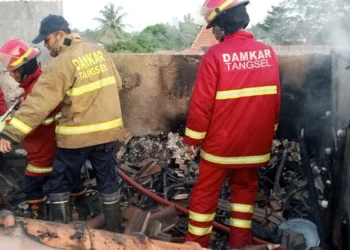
(75, 39)
(25, 84)
(241, 34)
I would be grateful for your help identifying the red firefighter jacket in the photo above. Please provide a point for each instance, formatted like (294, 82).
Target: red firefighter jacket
(235, 104)
(40, 143)
(3, 105)
(3, 109)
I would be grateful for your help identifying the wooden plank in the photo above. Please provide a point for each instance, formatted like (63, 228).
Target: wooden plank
(138, 223)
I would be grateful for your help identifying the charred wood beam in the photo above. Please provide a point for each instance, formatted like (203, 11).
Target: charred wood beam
(5, 201)
(65, 236)
(276, 186)
(342, 212)
(138, 223)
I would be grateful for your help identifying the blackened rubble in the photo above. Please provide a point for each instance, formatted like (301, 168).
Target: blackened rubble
(161, 164)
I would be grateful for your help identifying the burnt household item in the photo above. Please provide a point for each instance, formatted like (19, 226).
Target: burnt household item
(181, 209)
(301, 226)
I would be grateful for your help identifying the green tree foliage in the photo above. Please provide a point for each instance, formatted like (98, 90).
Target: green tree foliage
(127, 46)
(153, 38)
(316, 15)
(316, 21)
(112, 22)
(259, 33)
(280, 27)
(162, 36)
(189, 30)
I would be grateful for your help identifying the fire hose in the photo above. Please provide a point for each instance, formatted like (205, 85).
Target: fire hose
(181, 209)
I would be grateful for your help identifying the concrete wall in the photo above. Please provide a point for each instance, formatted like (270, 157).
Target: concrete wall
(22, 20)
(157, 90)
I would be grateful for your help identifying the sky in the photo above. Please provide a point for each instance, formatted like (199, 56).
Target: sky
(142, 13)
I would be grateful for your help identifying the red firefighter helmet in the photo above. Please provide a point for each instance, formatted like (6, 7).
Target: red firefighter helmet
(211, 9)
(15, 53)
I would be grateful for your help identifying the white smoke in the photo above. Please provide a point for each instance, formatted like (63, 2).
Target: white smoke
(338, 35)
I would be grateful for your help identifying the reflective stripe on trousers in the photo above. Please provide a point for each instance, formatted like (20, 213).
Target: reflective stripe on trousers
(241, 208)
(204, 199)
(197, 217)
(39, 170)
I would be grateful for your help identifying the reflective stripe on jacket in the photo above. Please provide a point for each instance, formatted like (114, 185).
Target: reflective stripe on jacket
(84, 78)
(235, 104)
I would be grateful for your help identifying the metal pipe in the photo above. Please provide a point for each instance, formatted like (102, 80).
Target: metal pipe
(316, 213)
(335, 210)
(183, 210)
(185, 183)
(10, 110)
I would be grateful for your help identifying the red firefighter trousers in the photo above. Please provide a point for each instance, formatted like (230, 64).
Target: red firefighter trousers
(204, 200)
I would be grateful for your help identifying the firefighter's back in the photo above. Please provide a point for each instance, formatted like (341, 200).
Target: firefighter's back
(247, 99)
(91, 112)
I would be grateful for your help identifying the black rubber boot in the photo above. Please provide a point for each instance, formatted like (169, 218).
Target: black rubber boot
(59, 208)
(82, 207)
(42, 211)
(112, 212)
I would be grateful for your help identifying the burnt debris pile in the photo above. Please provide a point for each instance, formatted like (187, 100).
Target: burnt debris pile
(161, 176)
(284, 206)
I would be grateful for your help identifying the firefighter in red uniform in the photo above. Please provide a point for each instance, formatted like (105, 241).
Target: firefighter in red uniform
(3, 108)
(233, 116)
(3, 105)
(20, 60)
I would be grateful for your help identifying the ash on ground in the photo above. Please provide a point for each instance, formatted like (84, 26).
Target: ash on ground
(160, 147)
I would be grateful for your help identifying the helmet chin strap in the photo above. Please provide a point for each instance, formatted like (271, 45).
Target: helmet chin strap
(219, 33)
(28, 68)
